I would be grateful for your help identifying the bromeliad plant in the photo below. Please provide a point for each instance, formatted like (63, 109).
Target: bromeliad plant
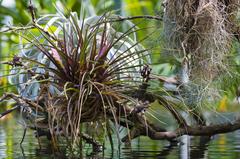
(76, 70)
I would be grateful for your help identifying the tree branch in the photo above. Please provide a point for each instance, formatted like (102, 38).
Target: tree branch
(211, 129)
(20, 100)
(188, 130)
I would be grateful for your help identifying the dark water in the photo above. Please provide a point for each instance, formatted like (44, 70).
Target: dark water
(225, 146)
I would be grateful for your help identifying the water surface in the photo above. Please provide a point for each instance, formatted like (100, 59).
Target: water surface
(223, 146)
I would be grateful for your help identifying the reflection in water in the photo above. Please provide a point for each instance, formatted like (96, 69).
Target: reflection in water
(2, 143)
(167, 150)
(199, 150)
(225, 146)
(221, 143)
(184, 146)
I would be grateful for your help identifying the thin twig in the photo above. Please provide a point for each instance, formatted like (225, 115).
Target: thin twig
(14, 29)
(8, 111)
(32, 11)
(24, 134)
(119, 18)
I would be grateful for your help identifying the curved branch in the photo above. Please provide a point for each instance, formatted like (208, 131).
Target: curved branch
(192, 131)
(210, 129)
